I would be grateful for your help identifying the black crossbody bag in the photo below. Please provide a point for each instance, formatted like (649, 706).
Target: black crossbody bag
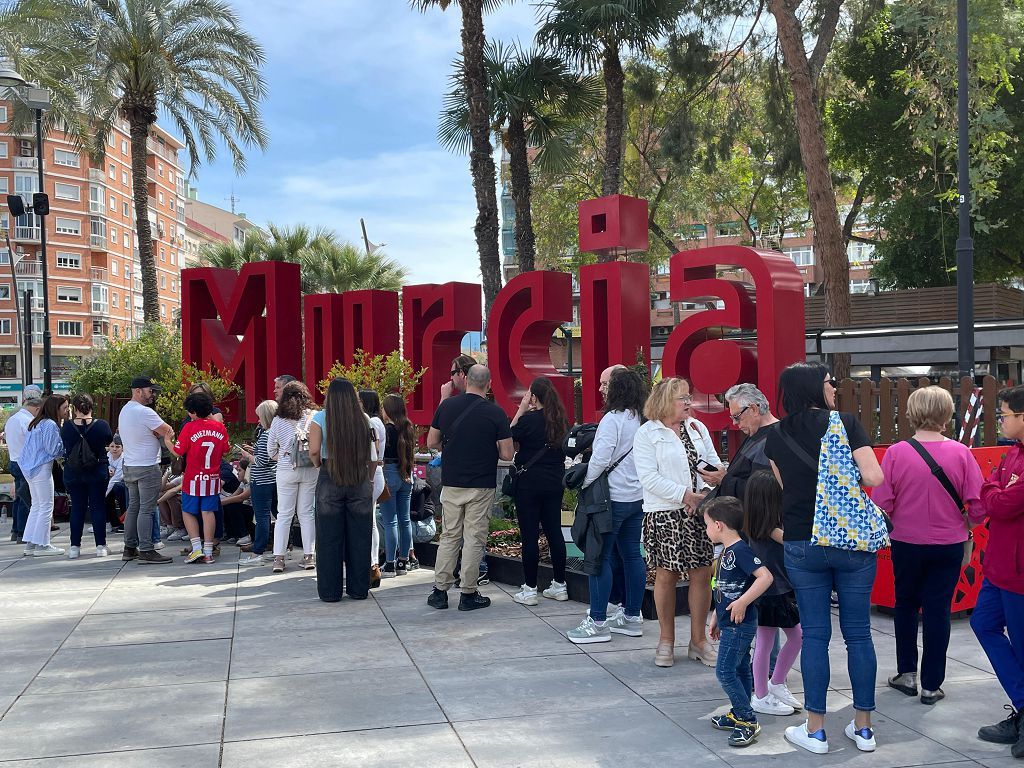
(940, 474)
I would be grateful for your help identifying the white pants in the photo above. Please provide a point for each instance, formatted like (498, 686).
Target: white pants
(40, 516)
(378, 489)
(296, 493)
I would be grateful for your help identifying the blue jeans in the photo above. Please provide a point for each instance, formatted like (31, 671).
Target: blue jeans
(998, 623)
(22, 499)
(623, 541)
(814, 572)
(262, 505)
(733, 668)
(394, 515)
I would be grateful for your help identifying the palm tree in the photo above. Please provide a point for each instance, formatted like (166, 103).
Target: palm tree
(594, 33)
(536, 101)
(336, 267)
(481, 161)
(133, 58)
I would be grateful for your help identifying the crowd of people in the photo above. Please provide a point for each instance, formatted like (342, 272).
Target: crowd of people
(774, 540)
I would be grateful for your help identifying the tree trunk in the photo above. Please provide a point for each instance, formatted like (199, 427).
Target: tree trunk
(481, 159)
(828, 234)
(614, 122)
(520, 171)
(139, 131)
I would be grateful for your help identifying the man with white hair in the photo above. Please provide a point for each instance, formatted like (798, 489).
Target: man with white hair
(750, 412)
(15, 432)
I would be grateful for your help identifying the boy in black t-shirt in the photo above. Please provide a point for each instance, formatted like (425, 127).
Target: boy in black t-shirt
(740, 579)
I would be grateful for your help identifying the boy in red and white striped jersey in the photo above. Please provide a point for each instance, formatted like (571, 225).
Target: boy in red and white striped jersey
(202, 442)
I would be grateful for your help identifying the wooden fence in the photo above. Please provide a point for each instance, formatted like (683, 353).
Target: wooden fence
(881, 406)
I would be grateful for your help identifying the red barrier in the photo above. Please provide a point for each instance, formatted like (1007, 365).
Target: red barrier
(966, 595)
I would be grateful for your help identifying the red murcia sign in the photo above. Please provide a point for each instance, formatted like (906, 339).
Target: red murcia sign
(252, 322)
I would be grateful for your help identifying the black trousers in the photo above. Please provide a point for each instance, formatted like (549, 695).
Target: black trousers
(237, 520)
(537, 508)
(926, 575)
(344, 515)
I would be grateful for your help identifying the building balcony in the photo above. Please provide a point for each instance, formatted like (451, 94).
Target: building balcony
(23, 234)
(100, 312)
(151, 174)
(163, 151)
(96, 174)
(99, 275)
(98, 242)
(100, 341)
(25, 162)
(27, 268)
(96, 206)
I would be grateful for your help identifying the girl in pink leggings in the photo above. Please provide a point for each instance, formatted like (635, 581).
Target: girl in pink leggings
(762, 506)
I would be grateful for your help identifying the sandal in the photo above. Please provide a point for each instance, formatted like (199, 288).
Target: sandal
(374, 576)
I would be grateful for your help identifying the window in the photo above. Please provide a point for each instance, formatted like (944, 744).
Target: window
(69, 328)
(170, 176)
(3, 114)
(124, 178)
(3, 150)
(163, 311)
(112, 170)
(127, 270)
(160, 196)
(68, 226)
(113, 234)
(163, 254)
(728, 229)
(802, 256)
(124, 147)
(68, 260)
(174, 286)
(69, 295)
(5, 185)
(99, 298)
(113, 299)
(5, 292)
(25, 184)
(861, 286)
(113, 267)
(113, 203)
(860, 253)
(7, 366)
(124, 239)
(124, 210)
(163, 281)
(698, 231)
(66, 158)
(68, 192)
(160, 169)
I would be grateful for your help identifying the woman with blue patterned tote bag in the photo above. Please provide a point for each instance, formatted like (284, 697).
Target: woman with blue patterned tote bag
(832, 531)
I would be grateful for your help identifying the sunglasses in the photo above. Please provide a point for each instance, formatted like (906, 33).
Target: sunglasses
(737, 416)
(833, 382)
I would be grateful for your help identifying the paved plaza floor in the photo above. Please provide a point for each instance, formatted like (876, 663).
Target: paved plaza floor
(111, 664)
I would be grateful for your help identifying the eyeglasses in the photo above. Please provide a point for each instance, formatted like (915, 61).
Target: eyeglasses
(685, 399)
(737, 416)
(833, 382)
(1001, 416)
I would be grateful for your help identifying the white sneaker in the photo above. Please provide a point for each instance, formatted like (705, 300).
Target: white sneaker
(248, 558)
(631, 626)
(815, 742)
(74, 553)
(245, 541)
(165, 531)
(159, 545)
(29, 550)
(557, 591)
(782, 693)
(102, 551)
(49, 549)
(89, 529)
(527, 596)
(769, 705)
(864, 738)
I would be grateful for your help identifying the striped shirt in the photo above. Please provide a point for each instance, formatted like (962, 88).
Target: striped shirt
(264, 469)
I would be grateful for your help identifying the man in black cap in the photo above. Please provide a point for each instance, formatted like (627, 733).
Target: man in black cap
(142, 431)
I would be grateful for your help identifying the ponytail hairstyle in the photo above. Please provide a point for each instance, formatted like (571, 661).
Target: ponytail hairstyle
(394, 407)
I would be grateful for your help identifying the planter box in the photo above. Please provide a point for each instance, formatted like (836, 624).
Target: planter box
(509, 570)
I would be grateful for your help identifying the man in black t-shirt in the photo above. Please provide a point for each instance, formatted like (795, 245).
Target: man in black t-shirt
(472, 434)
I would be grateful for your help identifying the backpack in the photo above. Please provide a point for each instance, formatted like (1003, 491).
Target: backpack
(81, 458)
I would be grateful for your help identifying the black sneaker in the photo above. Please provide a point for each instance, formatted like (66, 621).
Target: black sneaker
(153, 557)
(472, 601)
(14, 536)
(414, 564)
(401, 568)
(130, 553)
(1005, 732)
(932, 697)
(388, 571)
(744, 734)
(726, 722)
(438, 599)
(1017, 750)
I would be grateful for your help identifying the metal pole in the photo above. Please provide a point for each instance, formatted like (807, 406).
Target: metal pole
(24, 326)
(26, 337)
(964, 243)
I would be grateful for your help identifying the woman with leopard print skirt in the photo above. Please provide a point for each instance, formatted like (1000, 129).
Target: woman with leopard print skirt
(673, 533)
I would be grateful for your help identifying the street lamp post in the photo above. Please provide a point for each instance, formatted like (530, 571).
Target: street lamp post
(964, 243)
(37, 99)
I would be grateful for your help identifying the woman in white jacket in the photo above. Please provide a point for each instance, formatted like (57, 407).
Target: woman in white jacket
(673, 534)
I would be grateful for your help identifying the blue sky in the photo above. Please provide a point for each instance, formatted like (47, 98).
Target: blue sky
(355, 89)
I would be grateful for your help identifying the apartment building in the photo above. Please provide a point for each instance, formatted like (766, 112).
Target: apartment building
(94, 277)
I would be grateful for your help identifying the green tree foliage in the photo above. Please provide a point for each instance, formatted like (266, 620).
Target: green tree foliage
(130, 59)
(384, 374)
